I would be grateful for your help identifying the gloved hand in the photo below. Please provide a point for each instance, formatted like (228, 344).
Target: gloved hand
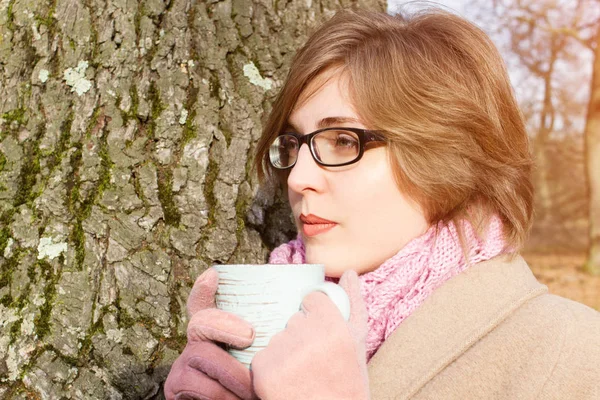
(318, 355)
(204, 370)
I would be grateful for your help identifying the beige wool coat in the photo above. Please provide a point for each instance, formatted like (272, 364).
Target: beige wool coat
(491, 332)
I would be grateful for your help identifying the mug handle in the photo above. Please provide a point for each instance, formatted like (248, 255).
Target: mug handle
(337, 295)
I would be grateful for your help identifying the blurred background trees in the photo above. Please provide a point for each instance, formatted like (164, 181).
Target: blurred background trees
(551, 48)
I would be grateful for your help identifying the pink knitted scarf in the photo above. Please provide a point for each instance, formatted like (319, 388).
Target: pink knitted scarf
(403, 282)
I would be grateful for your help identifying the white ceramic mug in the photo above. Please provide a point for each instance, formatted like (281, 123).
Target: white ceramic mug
(267, 295)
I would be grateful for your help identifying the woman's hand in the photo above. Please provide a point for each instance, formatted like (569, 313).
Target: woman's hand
(204, 370)
(318, 355)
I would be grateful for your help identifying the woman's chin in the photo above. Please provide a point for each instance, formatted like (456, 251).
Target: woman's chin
(334, 271)
(333, 268)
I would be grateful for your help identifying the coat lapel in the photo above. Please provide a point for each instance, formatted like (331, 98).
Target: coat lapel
(451, 320)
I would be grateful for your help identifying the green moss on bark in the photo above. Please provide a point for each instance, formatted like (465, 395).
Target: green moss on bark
(72, 183)
(63, 142)
(12, 121)
(5, 221)
(241, 205)
(15, 330)
(137, 22)
(92, 125)
(6, 300)
(8, 268)
(16, 115)
(42, 320)
(135, 101)
(176, 343)
(29, 171)
(189, 131)
(133, 109)
(165, 195)
(78, 239)
(49, 19)
(137, 188)
(85, 344)
(156, 110)
(124, 320)
(10, 16)
(2, 161)
(214, 86)
(209, 189)
(227, 134)
(84, 210)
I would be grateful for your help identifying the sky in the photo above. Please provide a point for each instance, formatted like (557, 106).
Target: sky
(456, 5)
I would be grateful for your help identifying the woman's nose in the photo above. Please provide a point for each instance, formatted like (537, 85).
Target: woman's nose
(306, 174)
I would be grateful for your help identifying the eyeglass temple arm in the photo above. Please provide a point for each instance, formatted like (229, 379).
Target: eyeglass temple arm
(374, 137)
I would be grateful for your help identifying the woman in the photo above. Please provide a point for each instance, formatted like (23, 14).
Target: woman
(407, 169)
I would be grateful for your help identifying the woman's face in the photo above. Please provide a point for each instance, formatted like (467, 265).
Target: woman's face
(371, 220)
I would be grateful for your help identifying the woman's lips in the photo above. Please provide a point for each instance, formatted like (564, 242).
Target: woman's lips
(313, 225)
(316, 229)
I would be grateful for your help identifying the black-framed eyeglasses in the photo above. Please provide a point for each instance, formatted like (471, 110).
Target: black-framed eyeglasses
(330, 147)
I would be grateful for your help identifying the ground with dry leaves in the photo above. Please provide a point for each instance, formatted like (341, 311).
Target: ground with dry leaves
(563, 275)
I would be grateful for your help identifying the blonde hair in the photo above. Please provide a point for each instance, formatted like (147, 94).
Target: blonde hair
(437, 88)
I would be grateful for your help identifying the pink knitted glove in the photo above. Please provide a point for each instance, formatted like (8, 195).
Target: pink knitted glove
(318, 355)
(204, 370)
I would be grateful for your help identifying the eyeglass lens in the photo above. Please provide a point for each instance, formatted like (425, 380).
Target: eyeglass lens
(331, 147)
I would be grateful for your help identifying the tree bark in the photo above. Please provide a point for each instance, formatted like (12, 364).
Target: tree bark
(126, 138)
(592, 155)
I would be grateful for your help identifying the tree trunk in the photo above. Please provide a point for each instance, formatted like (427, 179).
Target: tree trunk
(592, 153)
(126, 138)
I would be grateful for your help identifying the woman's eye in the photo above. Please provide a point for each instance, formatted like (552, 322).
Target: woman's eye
(345, 141)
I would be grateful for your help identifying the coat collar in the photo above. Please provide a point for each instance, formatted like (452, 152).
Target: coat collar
(451, 320)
